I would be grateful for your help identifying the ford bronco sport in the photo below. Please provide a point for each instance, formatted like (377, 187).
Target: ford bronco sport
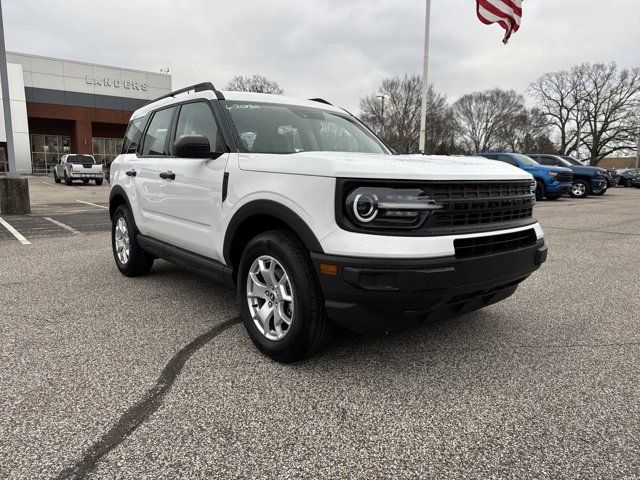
(310, 217)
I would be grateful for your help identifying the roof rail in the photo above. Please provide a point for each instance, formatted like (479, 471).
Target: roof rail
(199, 87)
(320, 100)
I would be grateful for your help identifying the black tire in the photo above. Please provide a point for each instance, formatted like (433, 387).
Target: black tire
(584, 188)
(310, 330)
(56, 178)
(139, 263)
(98, 181)
(553, 197)
(541, 191)
(627, 182)
(599, 193)
(67, 180)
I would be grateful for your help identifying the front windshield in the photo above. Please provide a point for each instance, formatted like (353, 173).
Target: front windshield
(572, 161)
(274, 128)
(525, 160)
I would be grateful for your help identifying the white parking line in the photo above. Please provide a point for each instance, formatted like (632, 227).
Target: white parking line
(47, 183)
(14, 232)
(89, 203)
(66, 227)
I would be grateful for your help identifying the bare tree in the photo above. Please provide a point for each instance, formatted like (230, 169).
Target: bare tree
(557, 97)
(393, 112)
(525, 131)
(482, 118)
(255, 83)
(611, 107)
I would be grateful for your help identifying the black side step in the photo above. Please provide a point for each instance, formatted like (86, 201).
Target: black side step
(191, 261)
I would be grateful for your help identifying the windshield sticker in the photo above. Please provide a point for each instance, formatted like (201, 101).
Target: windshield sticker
(246, 106)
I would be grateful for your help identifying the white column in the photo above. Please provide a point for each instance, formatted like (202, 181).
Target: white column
(425, 79)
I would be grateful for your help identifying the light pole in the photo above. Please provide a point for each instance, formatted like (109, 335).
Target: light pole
(14, 190)
(425, 81)
(382, 98)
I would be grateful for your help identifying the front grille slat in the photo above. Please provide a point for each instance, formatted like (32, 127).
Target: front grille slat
(479, 204)
(492, 244)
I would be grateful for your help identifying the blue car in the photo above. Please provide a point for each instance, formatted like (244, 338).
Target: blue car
(586, 180)
(551, 182)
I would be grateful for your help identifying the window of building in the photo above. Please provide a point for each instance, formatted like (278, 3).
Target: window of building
(105, 150)
(46, 151)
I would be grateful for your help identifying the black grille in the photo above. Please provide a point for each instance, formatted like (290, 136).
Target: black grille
(477, 204)
(565, 177)
(481, 246)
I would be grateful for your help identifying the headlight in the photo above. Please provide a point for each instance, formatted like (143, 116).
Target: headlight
(534, 187)
(552, 174)
(382, 207)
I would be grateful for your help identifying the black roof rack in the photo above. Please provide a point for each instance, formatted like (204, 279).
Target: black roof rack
(200, 87)
(320, 100)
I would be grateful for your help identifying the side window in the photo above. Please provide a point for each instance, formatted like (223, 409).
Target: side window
(507, 159)
(544, 160)
(133, 135)
(155, 139)
(197, 119)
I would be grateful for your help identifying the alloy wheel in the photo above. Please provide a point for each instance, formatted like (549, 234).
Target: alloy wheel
(270, 297)
(122, 241)
(578, 189)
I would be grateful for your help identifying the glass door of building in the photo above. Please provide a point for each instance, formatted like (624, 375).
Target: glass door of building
(46, 151)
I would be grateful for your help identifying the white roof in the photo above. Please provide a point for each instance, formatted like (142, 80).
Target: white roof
(237, 96)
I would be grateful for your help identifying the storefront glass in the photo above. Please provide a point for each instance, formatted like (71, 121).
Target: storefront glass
(105, 150)
(46, 150)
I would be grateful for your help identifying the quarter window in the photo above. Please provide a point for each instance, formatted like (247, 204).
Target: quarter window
(197, 119)
(155, 140)
(133, 135)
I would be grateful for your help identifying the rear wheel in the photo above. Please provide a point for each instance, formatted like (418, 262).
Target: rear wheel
(130, 259)
(98, 181)
(280, 299)
(579, 189)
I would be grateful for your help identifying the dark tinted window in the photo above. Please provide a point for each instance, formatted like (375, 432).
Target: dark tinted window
(507, 159)
(155, 139)
(133, 135)
(79, 159)
(197, 119)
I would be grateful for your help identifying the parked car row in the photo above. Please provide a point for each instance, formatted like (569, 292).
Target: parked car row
(628, 177)
(556, 176)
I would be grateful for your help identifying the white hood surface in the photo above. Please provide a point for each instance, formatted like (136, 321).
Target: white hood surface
(391, 167)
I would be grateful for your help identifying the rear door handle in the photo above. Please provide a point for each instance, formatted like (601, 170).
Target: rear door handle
(168, 175)
(131, 173)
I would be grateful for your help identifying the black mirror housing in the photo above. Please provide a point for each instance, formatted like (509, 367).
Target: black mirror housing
(192, 146)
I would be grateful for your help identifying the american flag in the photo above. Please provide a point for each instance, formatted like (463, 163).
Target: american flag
(507, 13)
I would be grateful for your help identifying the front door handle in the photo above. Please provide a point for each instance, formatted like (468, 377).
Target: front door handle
(168, 175)
(131, 173)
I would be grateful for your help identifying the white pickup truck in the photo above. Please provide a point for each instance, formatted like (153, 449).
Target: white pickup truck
(78, 167)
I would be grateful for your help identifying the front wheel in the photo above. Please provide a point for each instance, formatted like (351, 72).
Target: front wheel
(579, 189)
(67, 180)
(627, 182)
(56, 178)
(130, 259)
(281, 303)
(599, 191)
(540, 190)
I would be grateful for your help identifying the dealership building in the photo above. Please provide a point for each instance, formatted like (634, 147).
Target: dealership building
(64, 106)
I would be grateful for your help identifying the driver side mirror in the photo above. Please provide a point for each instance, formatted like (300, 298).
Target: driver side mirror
(192, 146)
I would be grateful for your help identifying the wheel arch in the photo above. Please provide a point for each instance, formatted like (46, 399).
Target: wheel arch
(118, 197)
(259, 216)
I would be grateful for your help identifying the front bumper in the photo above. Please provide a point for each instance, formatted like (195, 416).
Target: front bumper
(377, 295)
(559, 188)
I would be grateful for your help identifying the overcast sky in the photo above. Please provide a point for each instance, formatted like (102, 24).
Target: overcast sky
(336, 49)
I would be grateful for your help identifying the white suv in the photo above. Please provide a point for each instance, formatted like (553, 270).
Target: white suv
(309, 215)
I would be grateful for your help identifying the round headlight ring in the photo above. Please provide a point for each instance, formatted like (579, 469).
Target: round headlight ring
(365, 207)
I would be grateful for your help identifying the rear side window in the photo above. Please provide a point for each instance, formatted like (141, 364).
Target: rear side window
(133, 135)
(506, 159)
(155, 140)
(197, 119)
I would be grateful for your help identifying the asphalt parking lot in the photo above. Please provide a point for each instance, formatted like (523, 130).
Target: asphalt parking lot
(110, 377)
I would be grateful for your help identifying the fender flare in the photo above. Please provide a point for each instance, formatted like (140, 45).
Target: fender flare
(274, 209)
(117, 191)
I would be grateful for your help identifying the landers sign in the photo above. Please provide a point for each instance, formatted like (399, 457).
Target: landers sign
(116, 83)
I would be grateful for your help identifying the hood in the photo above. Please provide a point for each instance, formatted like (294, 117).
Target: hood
(397, 167)
(588, 170)
(547, 168)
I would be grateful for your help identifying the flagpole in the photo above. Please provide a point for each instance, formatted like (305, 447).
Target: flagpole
(425, 80)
